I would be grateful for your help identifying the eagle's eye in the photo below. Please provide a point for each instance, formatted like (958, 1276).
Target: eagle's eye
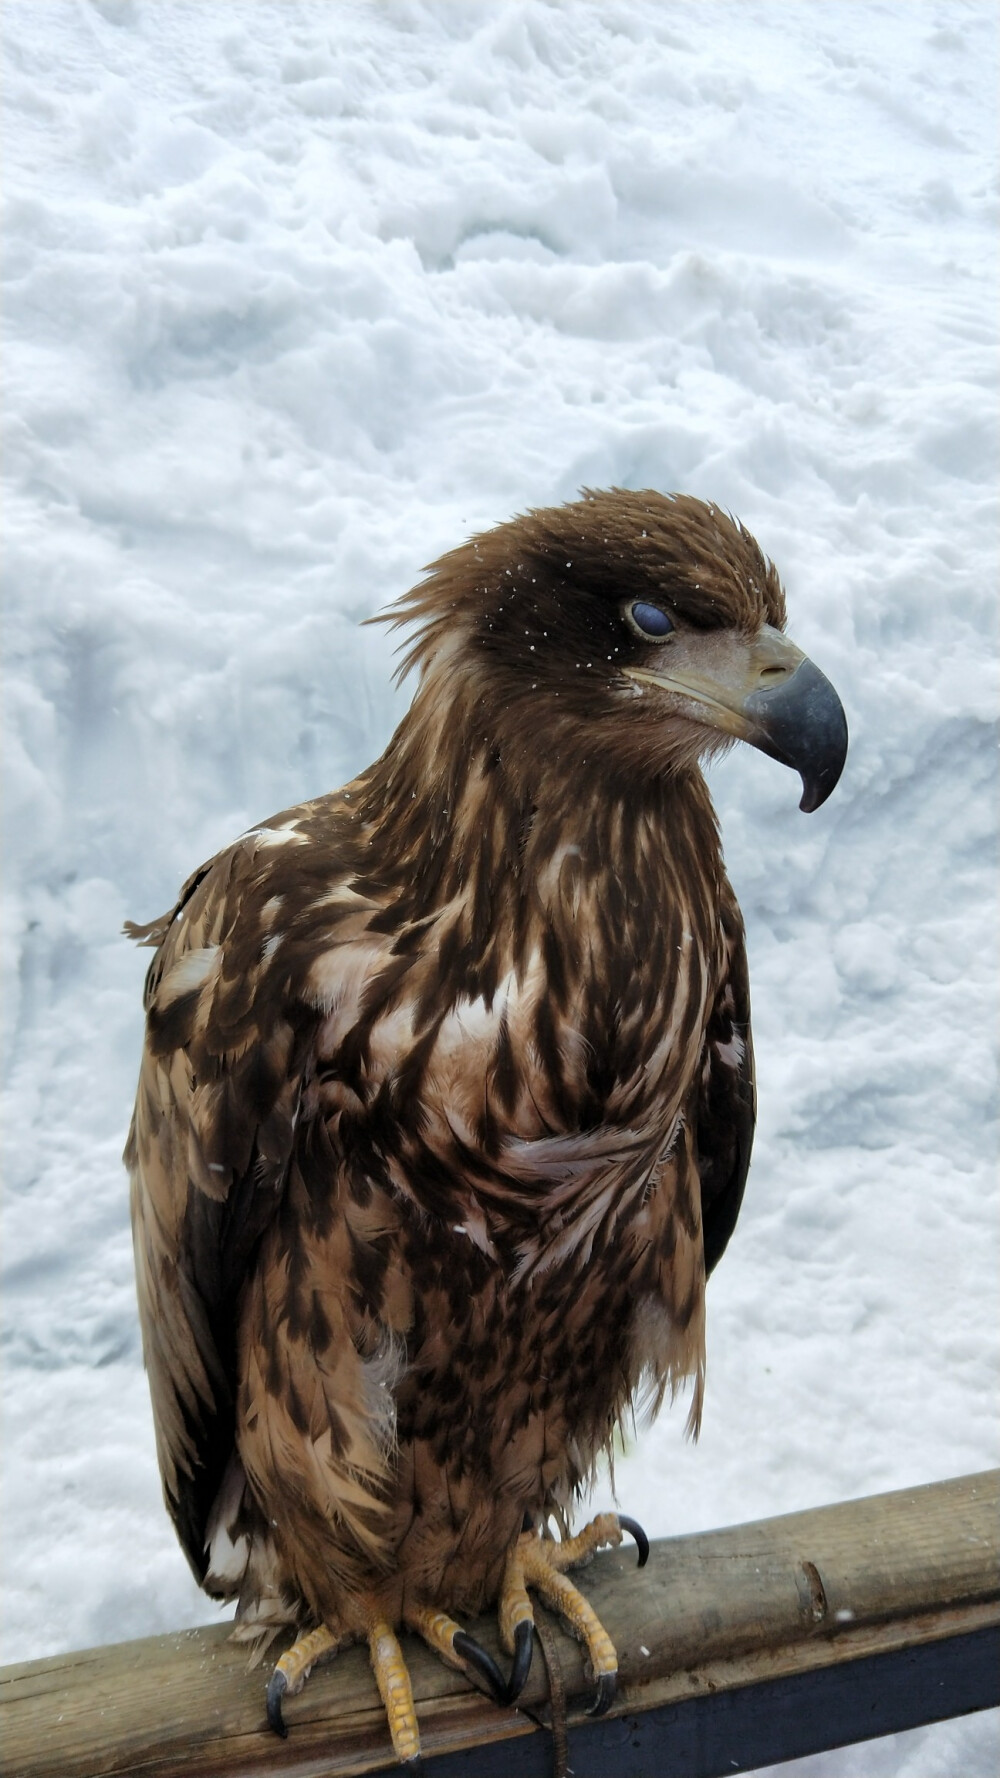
(650, 621)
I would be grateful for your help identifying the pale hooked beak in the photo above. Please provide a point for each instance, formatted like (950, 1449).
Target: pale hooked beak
(765, 692)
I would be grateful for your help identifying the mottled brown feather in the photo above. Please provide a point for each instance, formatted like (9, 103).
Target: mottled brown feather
(447, 1091)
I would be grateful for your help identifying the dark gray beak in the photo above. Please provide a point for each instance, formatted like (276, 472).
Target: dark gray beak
(801, 722)
(764, 691)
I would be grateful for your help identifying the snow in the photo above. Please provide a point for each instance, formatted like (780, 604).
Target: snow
(298, 295)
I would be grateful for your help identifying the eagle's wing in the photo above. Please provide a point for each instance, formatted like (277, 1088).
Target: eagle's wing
(207, 1152)
(727, 1104)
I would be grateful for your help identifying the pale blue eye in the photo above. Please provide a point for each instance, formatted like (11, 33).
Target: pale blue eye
(651, 620)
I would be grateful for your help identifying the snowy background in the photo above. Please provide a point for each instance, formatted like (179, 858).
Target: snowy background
(298, 295)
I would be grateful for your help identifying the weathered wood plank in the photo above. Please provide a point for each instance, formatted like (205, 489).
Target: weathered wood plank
(729, 1612)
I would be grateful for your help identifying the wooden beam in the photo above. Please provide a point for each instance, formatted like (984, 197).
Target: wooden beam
(737, 1647)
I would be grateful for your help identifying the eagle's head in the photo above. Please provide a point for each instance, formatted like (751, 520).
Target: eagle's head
(637, 631)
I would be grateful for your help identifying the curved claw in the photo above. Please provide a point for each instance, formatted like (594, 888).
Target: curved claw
(524, 1642)
(477, 1656)
(635, 1530)
(607, 1687)
(277, 1686)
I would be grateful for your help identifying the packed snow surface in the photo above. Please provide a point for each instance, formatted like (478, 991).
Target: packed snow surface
(296, 297)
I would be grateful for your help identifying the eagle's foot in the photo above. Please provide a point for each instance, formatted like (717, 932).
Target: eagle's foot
(391, 1677)
(293, 1669)
(540, 1562)
(456, 1647)
(393, 1682)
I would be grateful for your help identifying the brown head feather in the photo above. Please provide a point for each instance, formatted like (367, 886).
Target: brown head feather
(520, 632)
(576, 562)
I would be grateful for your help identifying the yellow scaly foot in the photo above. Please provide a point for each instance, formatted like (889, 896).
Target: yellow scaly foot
(539, 1562)
(393, 1682)
(454, 1645)
(294, 1667)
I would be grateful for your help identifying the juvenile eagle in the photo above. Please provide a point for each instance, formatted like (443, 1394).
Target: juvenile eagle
(446, 1100)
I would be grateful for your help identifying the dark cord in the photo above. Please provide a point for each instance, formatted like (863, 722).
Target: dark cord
(557, 1701)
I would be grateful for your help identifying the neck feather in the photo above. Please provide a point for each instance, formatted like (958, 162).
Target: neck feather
(471, 812)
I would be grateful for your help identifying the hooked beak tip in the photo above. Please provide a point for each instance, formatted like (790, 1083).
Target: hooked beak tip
(802, 724)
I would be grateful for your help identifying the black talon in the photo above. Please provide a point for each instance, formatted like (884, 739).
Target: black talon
(477, 1656)
(524, 1642)
(277, 1686)
(607, 1687)
(635, 1530)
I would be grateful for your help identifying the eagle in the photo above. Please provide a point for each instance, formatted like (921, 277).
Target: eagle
(447, 1098)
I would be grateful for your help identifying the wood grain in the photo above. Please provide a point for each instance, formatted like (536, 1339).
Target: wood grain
(714, 1612)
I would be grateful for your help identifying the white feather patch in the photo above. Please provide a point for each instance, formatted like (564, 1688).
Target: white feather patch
(731, 1053)
(227, 1557)
(191, 970)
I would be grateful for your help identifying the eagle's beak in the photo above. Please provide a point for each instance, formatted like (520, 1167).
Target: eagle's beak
(766, 692)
